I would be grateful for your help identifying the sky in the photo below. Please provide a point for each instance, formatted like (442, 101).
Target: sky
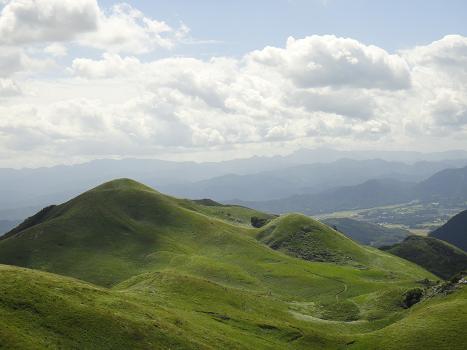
(213, 80)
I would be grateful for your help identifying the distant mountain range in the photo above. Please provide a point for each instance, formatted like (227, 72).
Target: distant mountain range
(24, 191)
(306, 179)
(446, 186)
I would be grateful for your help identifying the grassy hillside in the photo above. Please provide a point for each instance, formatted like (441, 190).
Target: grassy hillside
(167, 273)
(366, 232)
(299, 235)
(167, 310)
(123, 228)
(454, 231)
(439, 257)
(438, 323)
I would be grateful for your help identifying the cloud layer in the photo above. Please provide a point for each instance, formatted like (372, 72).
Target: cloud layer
(317, 90)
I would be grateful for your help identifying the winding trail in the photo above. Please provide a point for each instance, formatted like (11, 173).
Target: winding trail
(344, 285)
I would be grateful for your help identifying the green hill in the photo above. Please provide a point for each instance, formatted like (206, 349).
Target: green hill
(166, 273)
(123, 228)
(299, 235)
(454, 231)
(367, 232)
(439, 257)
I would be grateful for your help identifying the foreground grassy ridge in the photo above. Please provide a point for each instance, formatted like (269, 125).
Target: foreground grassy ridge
(42, 311)
(207, 280)
(166, 310)
(439, 323)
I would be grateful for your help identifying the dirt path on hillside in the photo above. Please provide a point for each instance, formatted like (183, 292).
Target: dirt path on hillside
(344, 285)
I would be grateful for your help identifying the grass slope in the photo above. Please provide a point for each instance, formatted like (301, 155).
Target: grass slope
(170, 273)
(439, 323)
(303, 237)
(439, 257)
(167, 310)
(366, 232)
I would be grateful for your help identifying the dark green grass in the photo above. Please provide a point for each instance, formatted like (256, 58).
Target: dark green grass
(439, 257)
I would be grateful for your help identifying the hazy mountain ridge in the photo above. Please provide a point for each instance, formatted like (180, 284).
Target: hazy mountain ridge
(306, 179)
(304, 171)
(447, 186)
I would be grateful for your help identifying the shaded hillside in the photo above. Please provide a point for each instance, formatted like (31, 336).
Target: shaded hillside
(366, 232)
(454, 231)
(439, 257)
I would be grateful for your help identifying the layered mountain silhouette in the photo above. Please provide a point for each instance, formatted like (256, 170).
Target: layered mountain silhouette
(447, 186)
(24, 191)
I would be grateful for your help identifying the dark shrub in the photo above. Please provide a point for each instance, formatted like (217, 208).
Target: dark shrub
(258, 222)
(411, 297)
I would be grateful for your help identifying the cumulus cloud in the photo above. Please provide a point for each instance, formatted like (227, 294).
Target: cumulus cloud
(30, 21)
(110, 66)
(438, 98)
(320, 89)
(318, 61)
(445, 53)
(126, 29)
(13, 60)
(9, 88)
(120, 29)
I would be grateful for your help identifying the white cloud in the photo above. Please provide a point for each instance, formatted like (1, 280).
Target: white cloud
(121, 29)
(56, 50)
(13, 60)
(31, 21)
(316, 90)
(126, 29)
(9, 88)
(110, 66)
(448, 52)
(318, 61)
